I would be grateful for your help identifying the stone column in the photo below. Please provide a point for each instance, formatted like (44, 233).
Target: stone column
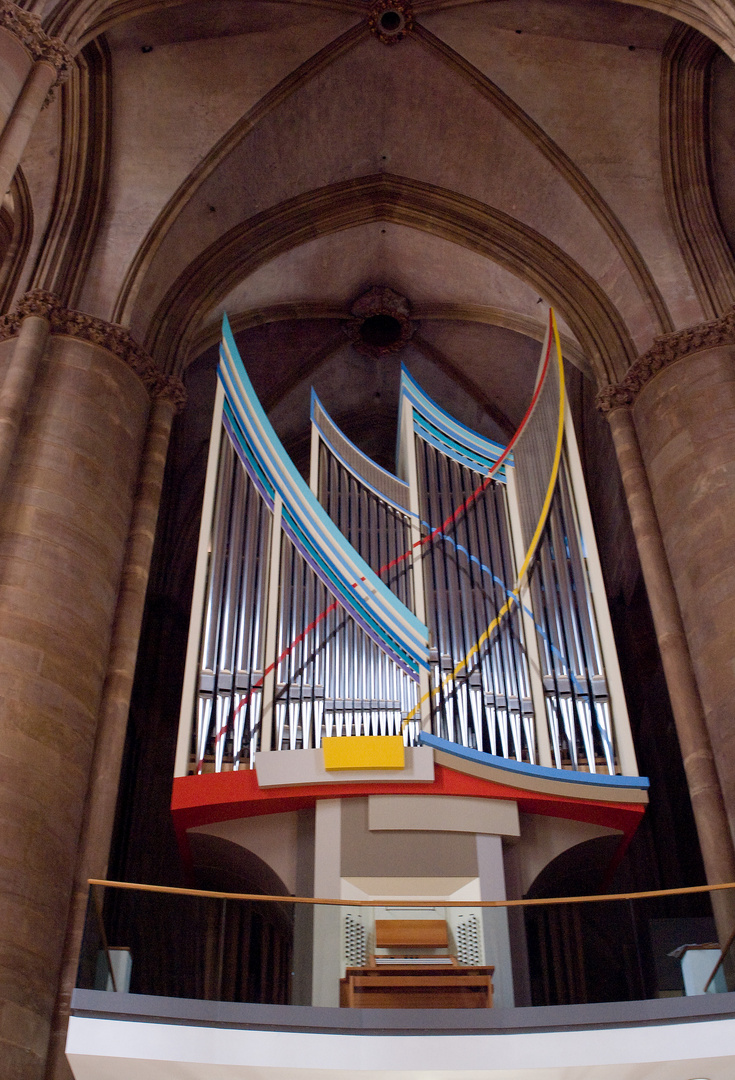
(101, 801)
(674, 423)
(65, 516)
(30, 322)
(51, 60)
(699, 764)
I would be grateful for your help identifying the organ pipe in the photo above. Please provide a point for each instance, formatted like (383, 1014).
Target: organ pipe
(284, 658)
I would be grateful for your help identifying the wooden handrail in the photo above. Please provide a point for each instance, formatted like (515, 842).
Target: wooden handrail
(390, 902)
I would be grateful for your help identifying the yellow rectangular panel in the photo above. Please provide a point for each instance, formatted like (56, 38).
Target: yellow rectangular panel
(364, 752)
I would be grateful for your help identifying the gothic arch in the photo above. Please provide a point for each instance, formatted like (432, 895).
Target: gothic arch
(591, 315)
(643, 288)
(713, 18)
(574, 176)
(224, 146)
(685, 105)
(83, 180)
(210, 334)
(19, 231)
(78, 21)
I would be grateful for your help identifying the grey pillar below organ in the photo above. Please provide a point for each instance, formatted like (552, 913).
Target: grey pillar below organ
(491, 872)
(303, 933)
(327, 860)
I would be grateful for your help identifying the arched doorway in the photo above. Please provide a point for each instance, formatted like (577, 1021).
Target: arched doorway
(206, 948)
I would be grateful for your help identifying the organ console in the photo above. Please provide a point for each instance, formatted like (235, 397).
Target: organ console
(421, 974)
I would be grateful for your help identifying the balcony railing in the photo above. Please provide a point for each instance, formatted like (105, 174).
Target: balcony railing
(286, 950)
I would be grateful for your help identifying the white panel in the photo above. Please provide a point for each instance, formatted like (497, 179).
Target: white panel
(623, 737)
(355, 933)
(307, 767)
(191, 670)
(113, 1050)
(696, 967)
(443, 813)
(411, 888)
(467, 931)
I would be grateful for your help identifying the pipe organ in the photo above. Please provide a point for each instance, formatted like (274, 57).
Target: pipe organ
(461, 597)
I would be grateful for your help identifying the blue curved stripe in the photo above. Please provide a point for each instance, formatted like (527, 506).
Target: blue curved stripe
(326, 565)
(363, 620)
(325, 572)
(344, 573)
(257, 432)
(460, 439)
(540, 772)
(452, 449)
(247, 457)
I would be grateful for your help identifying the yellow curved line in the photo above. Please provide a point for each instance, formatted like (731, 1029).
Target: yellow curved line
(531, 548)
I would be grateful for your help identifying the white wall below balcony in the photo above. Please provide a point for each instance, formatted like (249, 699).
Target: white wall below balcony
(107, 1049)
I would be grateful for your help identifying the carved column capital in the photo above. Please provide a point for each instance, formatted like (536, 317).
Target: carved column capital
(169, 388)
(36, 302)
(614, 397)
(9, 326)
(666, 350)
(28, 30)
(116, 339)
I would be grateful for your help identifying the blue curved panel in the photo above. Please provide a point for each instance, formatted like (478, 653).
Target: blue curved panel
(347, 576)
(539, 772)
(442, 431)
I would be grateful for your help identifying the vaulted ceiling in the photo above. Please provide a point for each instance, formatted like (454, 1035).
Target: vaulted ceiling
(274, 160)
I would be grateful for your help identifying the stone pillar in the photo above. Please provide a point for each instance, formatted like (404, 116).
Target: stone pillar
(699, 765)
(673, 423)
(51, 60)
(65, 515)
(101, 801)
(31, 323)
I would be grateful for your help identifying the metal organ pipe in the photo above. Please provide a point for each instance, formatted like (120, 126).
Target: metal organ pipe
(331, 677)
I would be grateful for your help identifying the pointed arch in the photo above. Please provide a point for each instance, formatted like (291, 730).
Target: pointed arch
(643, 287)
(574, 176)
(685, 106)
(83, 178)
(593, 318)
(78, 21)
(21, 234)
(223, 147)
